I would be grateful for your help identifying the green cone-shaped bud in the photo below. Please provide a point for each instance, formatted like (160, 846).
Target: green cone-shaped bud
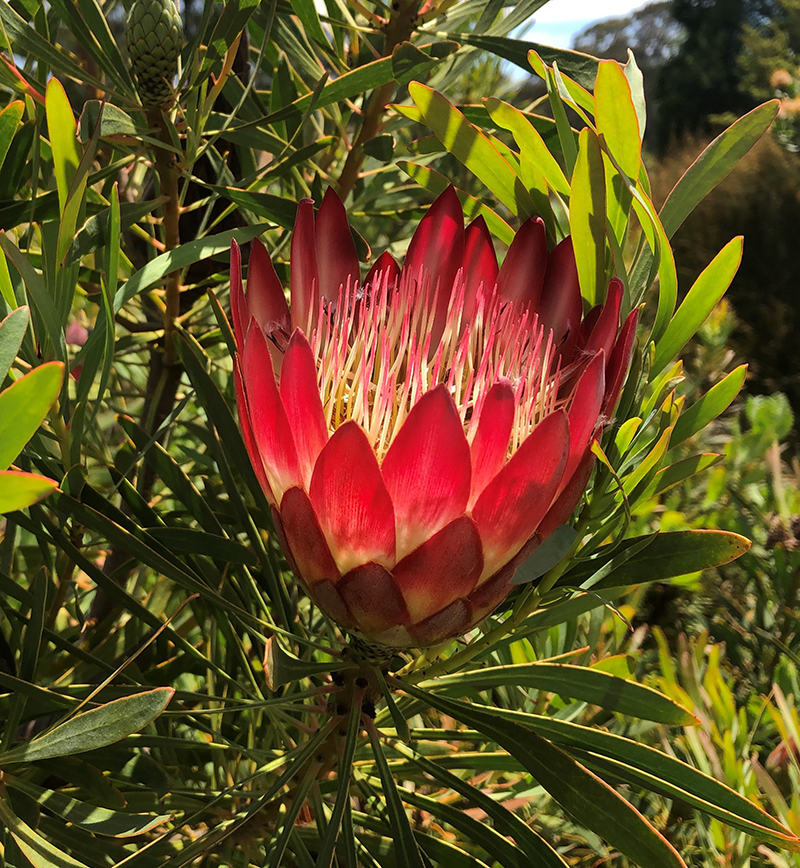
(155, 38)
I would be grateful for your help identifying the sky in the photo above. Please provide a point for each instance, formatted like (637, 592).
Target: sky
(559, 20)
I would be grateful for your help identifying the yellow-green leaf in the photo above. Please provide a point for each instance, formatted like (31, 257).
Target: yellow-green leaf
(701, 299)
(62, 130)
(474, 149)
(19, 490)
(587, 217)
(615, 116)
(23, 406)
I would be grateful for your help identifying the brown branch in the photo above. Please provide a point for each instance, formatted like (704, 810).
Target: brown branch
(397, 29)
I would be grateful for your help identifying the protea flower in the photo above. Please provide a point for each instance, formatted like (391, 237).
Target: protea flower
(419, 431)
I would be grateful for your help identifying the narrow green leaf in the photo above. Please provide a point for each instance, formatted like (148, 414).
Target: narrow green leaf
(23, 407)
(229, 25)
(411, 63)
(306, 12)
(500, 850)
(86, 21)
(186, 254)
(94, 729)
(473, 148)
(701, 299)
(200, 542)
(10, 118)
(636, 83)
(406, 851)
(12, 331)
(534, 153)
(63, 141)
(281, 667)
(95, 232)
(715, 401)
(100, 821)
(682, 470)
(504, 820)
(714, 164)
(546, 555)
(6, 287)
(646, 766)
(37, 850)
(577, 682)
(344, 771)
(588, 799)
(615, 116)
(38, 294)
(668, 555)
(579, 66)
(587, 218)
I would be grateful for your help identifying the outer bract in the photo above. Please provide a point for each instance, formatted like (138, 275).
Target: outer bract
(418, 432)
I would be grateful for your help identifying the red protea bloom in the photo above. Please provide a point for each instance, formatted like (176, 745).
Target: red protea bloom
(419, 431)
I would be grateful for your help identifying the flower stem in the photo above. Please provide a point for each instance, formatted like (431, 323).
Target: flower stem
(168, 174)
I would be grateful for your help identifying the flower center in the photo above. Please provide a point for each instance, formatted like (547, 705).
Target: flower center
(375, 356)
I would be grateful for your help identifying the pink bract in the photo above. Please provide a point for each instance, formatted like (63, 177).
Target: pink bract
(419, 431)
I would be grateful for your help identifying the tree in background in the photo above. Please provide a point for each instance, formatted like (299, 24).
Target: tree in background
(703, 79)
(654, 37)
(769, 47)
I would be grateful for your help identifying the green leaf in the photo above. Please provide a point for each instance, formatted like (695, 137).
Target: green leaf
(714, 164)
(406, 851)
(715, 401)
(579, 66)
(681, 470)
(306, 13)
(586, 797)
(473, 148)
(668, 555)
(501, 851)
(26, 41)
(538, 168)
(701, 299)
(615, 116)
(23, 407)
(504, 820)
(10, 117)
(38, 851)
(61, 129)
(113, 121)
(87, 21)
(410, 63)
(12, 331)
(234, 18)
(276, 209)
(577, 682)
(281, 667)
(186, 254)
(636, 83)
(100, 821)
(94, 234)
(94, 729)
(587, 218)
(546, 555)
(344, 771)
(200, 542)
(38, 294)
(650, 767)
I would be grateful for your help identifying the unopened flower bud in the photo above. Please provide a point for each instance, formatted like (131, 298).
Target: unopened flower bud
(154, 37)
